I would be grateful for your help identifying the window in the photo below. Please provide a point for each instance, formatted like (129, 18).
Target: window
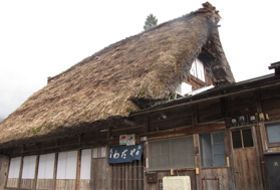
(171, 153)
(197, 70)
(67, 165)
(212, 147)
(273, 133)
(14, 168)
(46, 166)
(28, 170)
(242, 138)
(86, 164)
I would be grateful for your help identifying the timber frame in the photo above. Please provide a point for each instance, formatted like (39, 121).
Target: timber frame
(217, 109)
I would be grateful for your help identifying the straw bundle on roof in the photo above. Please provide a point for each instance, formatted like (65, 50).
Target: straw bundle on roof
(149, 65)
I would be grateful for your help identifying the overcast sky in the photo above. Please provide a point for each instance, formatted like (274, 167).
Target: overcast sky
(43, 38)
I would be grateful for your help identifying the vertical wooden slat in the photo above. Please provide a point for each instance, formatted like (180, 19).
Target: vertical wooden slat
(36, 171)
(78, 170)
(134, 176)
(246, 164)
(20, 173)
(215, 178)
(123, 177)
(145, 164)
(127, 176)
(55, 170)
(197, 155)
(138, 178)
(6, 181)
(259, 138)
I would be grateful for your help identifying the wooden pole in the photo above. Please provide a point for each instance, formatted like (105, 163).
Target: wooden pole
(8, 170)
(78, 172)
(36, 172)
(20, 173)
(55, 170)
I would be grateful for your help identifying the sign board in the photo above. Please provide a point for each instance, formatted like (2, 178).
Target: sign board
(176, 183)
(127, 139)
(125, 154)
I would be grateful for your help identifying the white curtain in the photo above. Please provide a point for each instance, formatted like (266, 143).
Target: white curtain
(67, 165)
(14, 168)
(29, 164)
(86, 164)
(46, 166)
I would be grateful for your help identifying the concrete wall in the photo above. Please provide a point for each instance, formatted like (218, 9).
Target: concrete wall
(4, 164)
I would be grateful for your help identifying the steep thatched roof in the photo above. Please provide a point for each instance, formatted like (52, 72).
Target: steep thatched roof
(149, 65)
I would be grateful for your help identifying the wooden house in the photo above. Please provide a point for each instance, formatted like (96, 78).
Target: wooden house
(156, 111)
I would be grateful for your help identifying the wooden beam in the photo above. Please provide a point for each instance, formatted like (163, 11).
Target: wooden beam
(78, 172)
(55, 170)
(258, 137)
(6, 181)
(185, 130)
(20, 173)
(36, 172)
(199, 99)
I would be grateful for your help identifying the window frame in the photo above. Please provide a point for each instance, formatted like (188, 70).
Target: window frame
(212, 152)
(41, 163)
(19, 175)
(148, 166)
(10, 164)
(63, 159)
(25, 173)
(242, 140)
(86, 164)
(196, 74)
(275, 144)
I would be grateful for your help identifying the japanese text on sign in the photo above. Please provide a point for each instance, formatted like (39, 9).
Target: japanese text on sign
(124, 154)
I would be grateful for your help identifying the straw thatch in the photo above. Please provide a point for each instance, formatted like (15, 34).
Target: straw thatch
(149, 65)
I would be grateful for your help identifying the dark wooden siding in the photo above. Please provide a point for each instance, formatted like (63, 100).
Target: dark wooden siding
(12, 182)
(128, 176)
(161, 174)
(100, 174)
(65, 184)
(215, 178)
(45, 184)
(4, 164)
(247, 169)
(27, 184)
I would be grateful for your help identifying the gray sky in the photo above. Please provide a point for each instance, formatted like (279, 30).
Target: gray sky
(43, 38)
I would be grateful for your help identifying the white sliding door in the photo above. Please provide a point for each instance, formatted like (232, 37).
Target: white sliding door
(29, 165)
(86, 164)
(67, 165)
(46, 166)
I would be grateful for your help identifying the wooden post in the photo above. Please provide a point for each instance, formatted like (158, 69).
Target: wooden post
(259, 139)
(145, 165)
(55, 170)
(20, 173)
(78, 172)
(195, 115)
(36, 172)
(197, 159)
(228, 147)
(148, 125)
(8, 170)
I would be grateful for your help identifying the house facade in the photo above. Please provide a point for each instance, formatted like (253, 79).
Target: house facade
(157, 111)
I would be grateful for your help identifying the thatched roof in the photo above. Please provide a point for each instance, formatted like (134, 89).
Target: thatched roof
(149, 65)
